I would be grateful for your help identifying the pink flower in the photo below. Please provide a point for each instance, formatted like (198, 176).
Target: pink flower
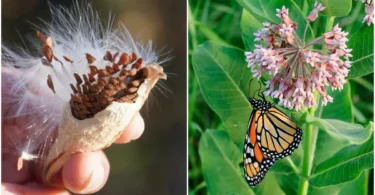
(298, 70)
(335, 38)
(369, 18)
(286, 32)
(314, 13)
(284, 15)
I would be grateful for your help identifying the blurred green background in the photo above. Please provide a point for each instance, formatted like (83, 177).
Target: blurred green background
(155, 163)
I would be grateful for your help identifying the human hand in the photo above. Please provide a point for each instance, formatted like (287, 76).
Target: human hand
(83, 173)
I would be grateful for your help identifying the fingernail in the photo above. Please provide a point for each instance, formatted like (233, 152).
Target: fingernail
(95, 180)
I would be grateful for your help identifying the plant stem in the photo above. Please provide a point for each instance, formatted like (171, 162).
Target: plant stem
(308, 141)
(305, 32)
(306, 166)
(330, 21)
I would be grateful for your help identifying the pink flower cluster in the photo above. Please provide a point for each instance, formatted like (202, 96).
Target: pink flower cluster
(298, 68)
(369, 9)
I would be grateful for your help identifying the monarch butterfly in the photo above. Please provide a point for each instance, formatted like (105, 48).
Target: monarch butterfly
(271, 135)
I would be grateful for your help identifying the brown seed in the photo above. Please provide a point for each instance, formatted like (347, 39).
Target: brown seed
(116, 67)
(102, 73)
(121, 78)
(133, 72)
(86, 112)
(85, 98)
(96, 105)
(93, 70)
(67, 59)
(90, 59)
(79, 88)
(82, 107)
(85, 79)
(50, 83)
(132, 89)
(103, 101)
(76, 98)
(94, 89)
(110, 86)
(82, 116)
(78, 78)
(110, 99)
(91, 77)
(109, 69)
(108, 56)
(118, 88)
(115, 56)
(112, 92)
(97, 96)
(41, 37)
(47, 52)
(134, 57)
(135, 83)
(85, 89)
(124, 73)
(113, 81)
(92, 98)
(124, 59)
(87, 104)
(73, 88)
(102, 82)
(75, 113)
(138, 64)
(135, 96)
(105, 93)
(122, 85)
(129, 97)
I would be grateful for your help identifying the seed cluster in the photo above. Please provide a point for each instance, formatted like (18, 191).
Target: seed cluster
(101, 87)
(93, 92)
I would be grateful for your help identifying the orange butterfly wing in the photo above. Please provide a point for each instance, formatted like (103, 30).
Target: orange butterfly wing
(277, 135)
(256, 163)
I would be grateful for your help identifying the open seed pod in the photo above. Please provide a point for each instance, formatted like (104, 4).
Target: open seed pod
(100, 130)
(102, 103)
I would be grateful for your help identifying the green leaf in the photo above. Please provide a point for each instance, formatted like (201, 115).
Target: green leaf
(353, 133)
(325, 141)
(362, 43)
(219, 70)
(289, 164)
(264, 186)
(358, 186)
(220, 164)
(346, 165)
(210, 34)
(249, 25)
(336, 8)
(266, 11)
(341, 107)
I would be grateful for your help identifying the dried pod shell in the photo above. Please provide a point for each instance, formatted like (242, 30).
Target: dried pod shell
(97, 132)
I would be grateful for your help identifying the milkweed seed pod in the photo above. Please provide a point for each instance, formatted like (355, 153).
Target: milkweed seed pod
(85, 89)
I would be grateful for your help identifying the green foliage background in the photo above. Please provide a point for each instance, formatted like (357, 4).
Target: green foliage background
(337, 155)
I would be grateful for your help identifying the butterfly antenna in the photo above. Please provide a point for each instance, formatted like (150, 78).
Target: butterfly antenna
(260, 94)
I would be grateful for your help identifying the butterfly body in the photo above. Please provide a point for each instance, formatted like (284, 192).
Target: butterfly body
(271, 135)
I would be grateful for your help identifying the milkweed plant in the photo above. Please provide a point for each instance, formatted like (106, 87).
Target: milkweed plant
(309, 57)
(79, 93)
